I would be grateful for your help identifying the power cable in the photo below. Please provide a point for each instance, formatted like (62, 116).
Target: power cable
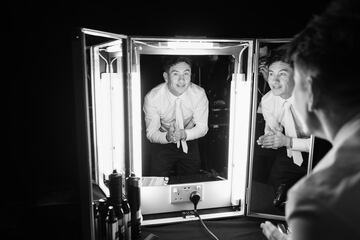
(195, 198)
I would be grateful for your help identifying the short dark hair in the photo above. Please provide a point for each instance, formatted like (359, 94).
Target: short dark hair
(329, 46)
(279, 54)
(172, 60)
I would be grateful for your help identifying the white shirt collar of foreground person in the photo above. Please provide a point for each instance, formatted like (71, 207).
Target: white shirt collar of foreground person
(342, 136)
(326, 198)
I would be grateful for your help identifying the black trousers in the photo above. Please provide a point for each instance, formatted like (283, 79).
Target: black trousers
(168, 160)
(285, 171)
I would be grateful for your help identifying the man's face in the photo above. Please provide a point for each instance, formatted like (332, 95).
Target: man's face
(178, 78)
(303, 99)
(280, 79)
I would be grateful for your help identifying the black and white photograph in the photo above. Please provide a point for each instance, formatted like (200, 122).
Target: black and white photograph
(182, 120)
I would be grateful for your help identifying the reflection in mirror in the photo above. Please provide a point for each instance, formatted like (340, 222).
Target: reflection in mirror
(207, 157)
(280, 147)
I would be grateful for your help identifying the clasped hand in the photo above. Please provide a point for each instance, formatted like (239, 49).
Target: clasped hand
(175, 134)
(273, 139)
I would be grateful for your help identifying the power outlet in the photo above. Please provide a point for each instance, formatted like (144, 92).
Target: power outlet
(181, 193)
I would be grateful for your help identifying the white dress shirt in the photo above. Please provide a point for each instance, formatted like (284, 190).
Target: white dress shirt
(159, 108)
(272, 110)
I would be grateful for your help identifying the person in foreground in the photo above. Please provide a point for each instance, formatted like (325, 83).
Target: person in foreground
(325, 203)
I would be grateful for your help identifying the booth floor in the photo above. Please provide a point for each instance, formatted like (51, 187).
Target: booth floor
(239, 228)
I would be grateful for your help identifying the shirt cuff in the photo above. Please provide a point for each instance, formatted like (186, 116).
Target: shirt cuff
(301, 144)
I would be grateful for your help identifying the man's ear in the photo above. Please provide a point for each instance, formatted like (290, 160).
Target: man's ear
(311, 102)
(165, 75)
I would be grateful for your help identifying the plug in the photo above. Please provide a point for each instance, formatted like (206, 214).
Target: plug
(195, 198)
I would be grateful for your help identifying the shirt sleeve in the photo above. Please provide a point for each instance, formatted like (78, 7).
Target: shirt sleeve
(267, 128)
(271, 124)
(201, 114)
(301, 144)
(152, 121)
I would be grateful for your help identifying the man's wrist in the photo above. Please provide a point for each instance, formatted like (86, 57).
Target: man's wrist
(168, 137)
(290, 142)
(184, 135)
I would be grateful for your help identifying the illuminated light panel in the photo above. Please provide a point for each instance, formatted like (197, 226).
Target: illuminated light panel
(136, 123)
(239, 135)
(192, 45)
(103, 128)
(117, 122)
(114, 48)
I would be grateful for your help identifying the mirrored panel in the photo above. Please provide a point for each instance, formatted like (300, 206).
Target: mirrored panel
(121, 72)
(281, 152)
(212, 73)
(212, 83)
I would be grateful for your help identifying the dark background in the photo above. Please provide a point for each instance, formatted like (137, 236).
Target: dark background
(40, 174)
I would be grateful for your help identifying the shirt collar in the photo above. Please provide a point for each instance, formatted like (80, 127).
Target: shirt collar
(342, 135)
(289, 100)
(281, 100)
(347, 130)
(171, 96)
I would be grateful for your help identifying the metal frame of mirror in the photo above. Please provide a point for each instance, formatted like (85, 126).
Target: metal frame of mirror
(264, 170)
(224, 195)
(112, 85)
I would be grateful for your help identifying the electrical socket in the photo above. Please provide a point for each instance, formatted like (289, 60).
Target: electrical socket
(181, 193)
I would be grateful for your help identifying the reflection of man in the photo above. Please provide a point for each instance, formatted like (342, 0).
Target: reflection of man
(281, 127)
(176, 114)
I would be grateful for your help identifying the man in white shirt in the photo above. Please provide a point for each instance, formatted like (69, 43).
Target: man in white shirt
(281, 127)
(176, 115)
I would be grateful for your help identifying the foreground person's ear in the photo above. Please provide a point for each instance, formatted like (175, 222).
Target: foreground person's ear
(311, 101)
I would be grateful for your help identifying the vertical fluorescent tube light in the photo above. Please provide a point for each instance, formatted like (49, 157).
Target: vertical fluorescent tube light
(136, 122)
(231, 128)
(117, 121)
(117, 107)
(103, 126)
(240, 134)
